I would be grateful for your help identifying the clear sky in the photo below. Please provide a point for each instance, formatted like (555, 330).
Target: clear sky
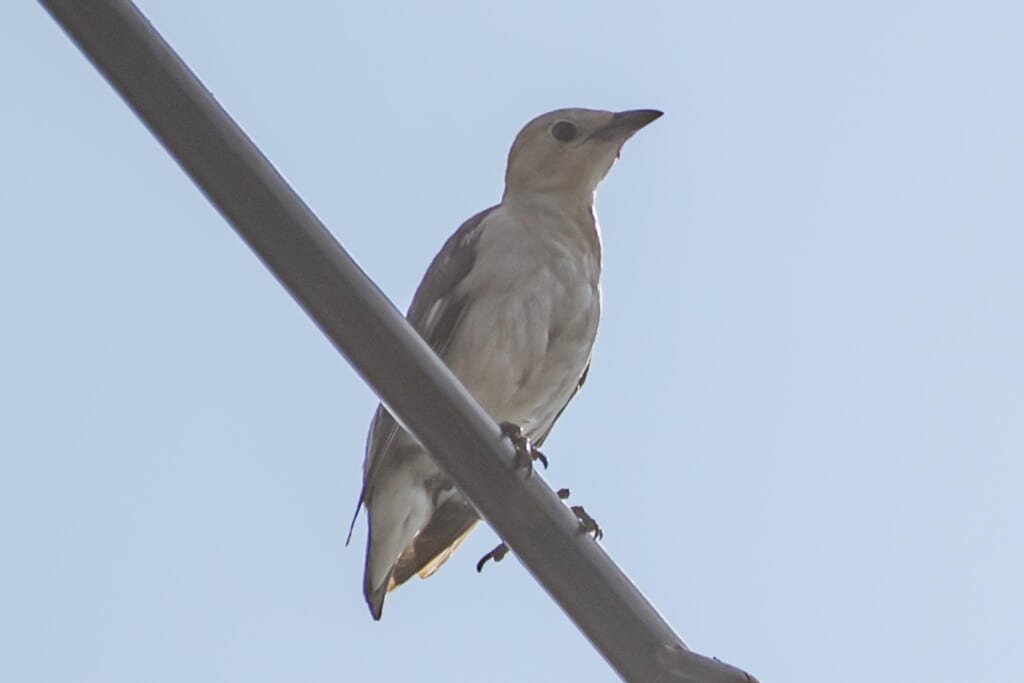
(803, 428)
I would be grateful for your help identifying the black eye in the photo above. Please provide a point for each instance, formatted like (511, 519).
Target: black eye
(563, 131)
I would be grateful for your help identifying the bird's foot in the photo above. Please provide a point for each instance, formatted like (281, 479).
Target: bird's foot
(588, 525)
(498, 554)
(525, 452)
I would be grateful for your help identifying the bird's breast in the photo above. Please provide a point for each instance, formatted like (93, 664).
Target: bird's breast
(529, 326)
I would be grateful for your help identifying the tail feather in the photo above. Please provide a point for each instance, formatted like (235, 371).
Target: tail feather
(375, 594)
(355, 516)
(423, 554)
(395, 514)
(375, 597)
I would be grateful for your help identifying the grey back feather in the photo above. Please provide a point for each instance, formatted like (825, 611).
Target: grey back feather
(436, 308)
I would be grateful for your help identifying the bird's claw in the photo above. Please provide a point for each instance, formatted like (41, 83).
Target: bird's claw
(525, 452)
(588, 525)
(498, 554)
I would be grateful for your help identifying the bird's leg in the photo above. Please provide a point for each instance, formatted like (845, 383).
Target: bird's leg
(588, 525)
(525, 455)
(525, 452)
(498, 554)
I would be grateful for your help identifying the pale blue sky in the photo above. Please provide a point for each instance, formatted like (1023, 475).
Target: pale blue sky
(804, 424)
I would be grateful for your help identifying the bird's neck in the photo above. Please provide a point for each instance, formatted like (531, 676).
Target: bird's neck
(573, 211)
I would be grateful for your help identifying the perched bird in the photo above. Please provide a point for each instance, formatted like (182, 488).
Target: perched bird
(511, 305)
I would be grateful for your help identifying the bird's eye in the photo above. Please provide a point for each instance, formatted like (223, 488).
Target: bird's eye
(563, 131)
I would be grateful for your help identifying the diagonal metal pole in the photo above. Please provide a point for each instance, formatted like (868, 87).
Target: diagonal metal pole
(378, 342)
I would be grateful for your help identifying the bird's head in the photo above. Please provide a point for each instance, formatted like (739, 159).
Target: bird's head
(570, 150)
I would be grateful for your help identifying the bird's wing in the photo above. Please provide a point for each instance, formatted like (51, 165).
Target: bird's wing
(435, 312)
(437, 306)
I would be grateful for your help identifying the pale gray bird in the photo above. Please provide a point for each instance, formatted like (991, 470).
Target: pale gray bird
(511, 305)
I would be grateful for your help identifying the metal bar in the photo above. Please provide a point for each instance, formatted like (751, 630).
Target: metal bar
(378, 342)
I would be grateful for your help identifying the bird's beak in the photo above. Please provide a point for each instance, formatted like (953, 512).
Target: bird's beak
(625, 123)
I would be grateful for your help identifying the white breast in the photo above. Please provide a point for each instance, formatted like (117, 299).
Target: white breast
(531, 318)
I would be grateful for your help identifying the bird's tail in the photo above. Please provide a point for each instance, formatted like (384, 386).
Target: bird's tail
(375, 594)
(355, 515)
(398, 509)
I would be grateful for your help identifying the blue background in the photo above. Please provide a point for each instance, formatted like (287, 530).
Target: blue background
(802, 431)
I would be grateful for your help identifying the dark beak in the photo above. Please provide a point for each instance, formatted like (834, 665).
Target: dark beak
(625, 123)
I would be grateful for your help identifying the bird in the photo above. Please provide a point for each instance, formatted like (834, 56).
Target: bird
(511, 305)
